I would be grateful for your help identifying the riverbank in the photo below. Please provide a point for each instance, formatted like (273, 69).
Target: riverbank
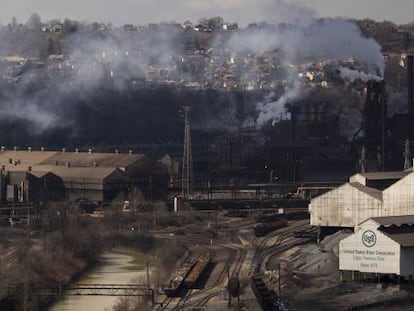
(43, 264)
(117, 266)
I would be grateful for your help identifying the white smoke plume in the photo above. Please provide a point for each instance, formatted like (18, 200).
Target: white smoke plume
(350, 75)
(321, 40)
(273, 110)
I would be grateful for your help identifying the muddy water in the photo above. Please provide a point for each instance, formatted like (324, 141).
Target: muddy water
(115, 267)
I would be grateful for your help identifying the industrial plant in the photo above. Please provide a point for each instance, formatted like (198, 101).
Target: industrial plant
(206, 165)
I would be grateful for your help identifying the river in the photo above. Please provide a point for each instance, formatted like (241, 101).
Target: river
(114, 267)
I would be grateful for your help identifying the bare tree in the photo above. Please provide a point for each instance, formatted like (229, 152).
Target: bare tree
(34, 22)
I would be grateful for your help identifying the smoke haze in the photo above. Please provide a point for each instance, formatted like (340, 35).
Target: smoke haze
(99, 87)
(243, 11)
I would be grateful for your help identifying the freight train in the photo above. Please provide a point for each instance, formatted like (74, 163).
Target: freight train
(261, 229)
(188, 275)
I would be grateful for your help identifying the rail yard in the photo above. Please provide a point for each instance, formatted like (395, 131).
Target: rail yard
(223, 263)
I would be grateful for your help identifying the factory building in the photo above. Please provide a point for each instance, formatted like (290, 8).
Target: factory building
(38, 176)
(366, 195)
(29, 185)
(382, 245)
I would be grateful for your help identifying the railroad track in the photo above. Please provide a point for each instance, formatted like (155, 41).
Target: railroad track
(201, 297)
(233, 265)
(280, 237)
(197, 299)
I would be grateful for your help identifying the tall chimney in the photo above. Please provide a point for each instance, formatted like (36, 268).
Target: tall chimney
(410, 81)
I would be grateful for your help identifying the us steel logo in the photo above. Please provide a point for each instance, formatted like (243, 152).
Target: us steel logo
(369, 238)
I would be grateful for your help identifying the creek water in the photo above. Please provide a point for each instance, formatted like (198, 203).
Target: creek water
(114, 267)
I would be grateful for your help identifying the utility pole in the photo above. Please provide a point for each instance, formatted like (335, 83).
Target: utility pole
(407, 162)
(187, 171)
(363, 160)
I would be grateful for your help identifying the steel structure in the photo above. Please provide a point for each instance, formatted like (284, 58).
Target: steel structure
(187, 171)
(123, 290)
(110, 290)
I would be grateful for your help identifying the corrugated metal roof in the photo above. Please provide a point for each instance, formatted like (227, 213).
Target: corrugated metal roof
(39, 172)
(85, 159)
(404, 239)
(83, 173)
(68, 173)
(386, 175)
(375, 193)
(79, 159)
(394, 220)
(25, 157)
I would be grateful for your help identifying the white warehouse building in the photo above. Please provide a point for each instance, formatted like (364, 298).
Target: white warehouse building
(366, 195)
(382, 245)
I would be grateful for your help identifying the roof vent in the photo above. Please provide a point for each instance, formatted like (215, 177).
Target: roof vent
(29, 149)
(15, 148)
(63, 150)
(116, 151)
(3, 148)
(3, 167)
(56, 162)
(67, 164)
(95, 164)
(130, 151)
(10, 161)
(76, 150)
(89, 150)
(42, 149)
(29, 168)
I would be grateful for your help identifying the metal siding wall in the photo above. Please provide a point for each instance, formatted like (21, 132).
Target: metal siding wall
(345, 206)
(407, 262)
(358, 178)
(399, 198)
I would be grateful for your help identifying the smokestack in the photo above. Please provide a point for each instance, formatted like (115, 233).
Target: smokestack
(410, 77)
(410, 81)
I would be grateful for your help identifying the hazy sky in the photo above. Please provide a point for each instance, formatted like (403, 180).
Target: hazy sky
(243, 11)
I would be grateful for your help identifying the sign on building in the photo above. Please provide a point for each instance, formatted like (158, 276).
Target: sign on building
(369, 250)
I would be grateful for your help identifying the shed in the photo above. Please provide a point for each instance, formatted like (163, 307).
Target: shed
(380, 245)
(345, 206)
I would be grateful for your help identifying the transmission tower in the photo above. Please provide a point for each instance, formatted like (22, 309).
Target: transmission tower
(187, 173)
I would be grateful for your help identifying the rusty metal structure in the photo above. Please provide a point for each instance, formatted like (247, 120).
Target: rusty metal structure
(374, 124)
(187, 170)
